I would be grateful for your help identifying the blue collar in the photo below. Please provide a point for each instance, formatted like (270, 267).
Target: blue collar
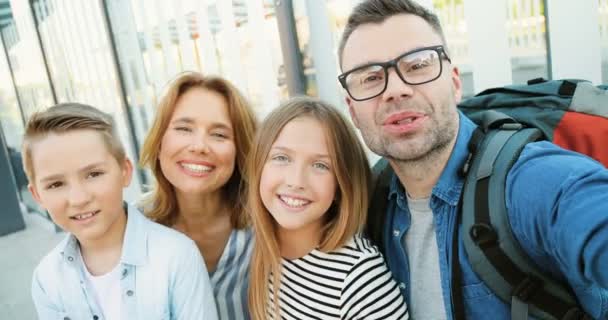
(134, 246)
(449, 186)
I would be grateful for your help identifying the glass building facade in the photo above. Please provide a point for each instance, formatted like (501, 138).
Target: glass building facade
(118, 55)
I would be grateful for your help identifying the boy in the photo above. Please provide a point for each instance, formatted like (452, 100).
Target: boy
(114, 263)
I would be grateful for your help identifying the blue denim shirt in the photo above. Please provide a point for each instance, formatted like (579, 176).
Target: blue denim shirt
(557, 203)
(163, 277)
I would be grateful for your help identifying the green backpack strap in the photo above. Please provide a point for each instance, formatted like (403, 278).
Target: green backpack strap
(376, 216)
(494, 253)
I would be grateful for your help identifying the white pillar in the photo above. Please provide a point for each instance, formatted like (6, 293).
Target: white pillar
(323, 53)
(206, 44)
(186, 45)
(263, 69)
(574, 39)
(171, 65)
(488, 43)
(156, 70)
(231, 45)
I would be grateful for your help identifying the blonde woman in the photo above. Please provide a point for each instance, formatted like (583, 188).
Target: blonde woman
(196, 150)
(308, 197)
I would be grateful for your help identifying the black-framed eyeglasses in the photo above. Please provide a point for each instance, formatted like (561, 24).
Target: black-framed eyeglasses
(414, 67)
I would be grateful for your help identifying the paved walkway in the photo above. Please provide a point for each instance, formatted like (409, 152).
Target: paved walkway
(19, 255)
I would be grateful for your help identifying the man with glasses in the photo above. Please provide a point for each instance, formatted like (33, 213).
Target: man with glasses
(402, 92)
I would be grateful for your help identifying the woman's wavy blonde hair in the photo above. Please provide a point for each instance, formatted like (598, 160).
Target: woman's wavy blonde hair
(344, 218)
(160, 204)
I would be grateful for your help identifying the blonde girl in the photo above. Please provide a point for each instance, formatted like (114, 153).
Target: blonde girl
(308, 196)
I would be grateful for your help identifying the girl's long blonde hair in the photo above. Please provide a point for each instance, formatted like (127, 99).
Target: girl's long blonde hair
(344, 218)
(161, 204)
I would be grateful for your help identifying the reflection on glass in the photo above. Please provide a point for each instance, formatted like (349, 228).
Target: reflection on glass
(11, 121)
(25, 57)
(81, 64)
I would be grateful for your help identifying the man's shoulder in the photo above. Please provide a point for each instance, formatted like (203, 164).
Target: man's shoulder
(542, 157)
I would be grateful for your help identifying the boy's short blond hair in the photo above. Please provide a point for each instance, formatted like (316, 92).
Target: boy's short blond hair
(66, 117)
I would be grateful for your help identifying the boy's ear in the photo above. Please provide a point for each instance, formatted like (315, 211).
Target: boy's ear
(32, 188)
(127, 172)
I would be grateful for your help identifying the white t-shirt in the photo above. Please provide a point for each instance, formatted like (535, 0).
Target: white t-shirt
(106, 291)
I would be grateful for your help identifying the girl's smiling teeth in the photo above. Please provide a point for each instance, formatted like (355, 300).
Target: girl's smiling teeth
(293, 202)
(197, 168)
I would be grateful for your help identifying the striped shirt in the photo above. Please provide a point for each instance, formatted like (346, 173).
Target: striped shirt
(352, 282)
(230, 280)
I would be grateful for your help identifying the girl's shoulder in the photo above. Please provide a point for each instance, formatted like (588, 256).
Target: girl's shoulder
(359, 246)
(356, 249)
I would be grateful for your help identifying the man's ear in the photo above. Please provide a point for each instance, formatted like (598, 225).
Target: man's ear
(351, 111)
(457, 84)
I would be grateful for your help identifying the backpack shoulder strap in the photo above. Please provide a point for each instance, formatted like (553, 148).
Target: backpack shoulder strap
(494, 253)
(376, 215)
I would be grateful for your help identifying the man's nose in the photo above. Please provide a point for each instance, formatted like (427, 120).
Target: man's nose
(396, 88)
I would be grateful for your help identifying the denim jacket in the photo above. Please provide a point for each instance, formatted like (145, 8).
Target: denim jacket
(163, 277)
(557, 203)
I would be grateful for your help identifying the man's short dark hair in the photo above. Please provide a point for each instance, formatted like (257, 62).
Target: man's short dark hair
(377, 11)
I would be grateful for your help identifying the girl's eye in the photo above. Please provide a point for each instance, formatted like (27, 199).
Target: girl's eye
(280, 158)
(320, 165)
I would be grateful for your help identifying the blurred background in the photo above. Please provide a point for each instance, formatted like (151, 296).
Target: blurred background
(118, 55)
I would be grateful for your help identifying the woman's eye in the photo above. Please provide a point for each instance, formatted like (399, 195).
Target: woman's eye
(320, 165)
(184, 129)
(219, 135)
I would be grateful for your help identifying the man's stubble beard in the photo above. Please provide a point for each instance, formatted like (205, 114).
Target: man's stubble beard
(426, 146)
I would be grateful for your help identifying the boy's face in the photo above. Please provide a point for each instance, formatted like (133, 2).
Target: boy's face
(80, 183)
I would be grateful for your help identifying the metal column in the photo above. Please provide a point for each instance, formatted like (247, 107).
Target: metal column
(11, 219)
(292, 57)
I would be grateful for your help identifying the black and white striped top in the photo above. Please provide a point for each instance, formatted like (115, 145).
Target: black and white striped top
(352, 282)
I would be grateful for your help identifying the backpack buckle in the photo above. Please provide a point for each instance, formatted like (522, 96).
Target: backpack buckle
(483, 235)
(527, 288)
(511, 126)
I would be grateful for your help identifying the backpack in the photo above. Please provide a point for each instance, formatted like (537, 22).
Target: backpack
(570, 113)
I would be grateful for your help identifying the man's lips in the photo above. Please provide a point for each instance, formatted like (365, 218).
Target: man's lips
(404, 122)
(402, 118)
